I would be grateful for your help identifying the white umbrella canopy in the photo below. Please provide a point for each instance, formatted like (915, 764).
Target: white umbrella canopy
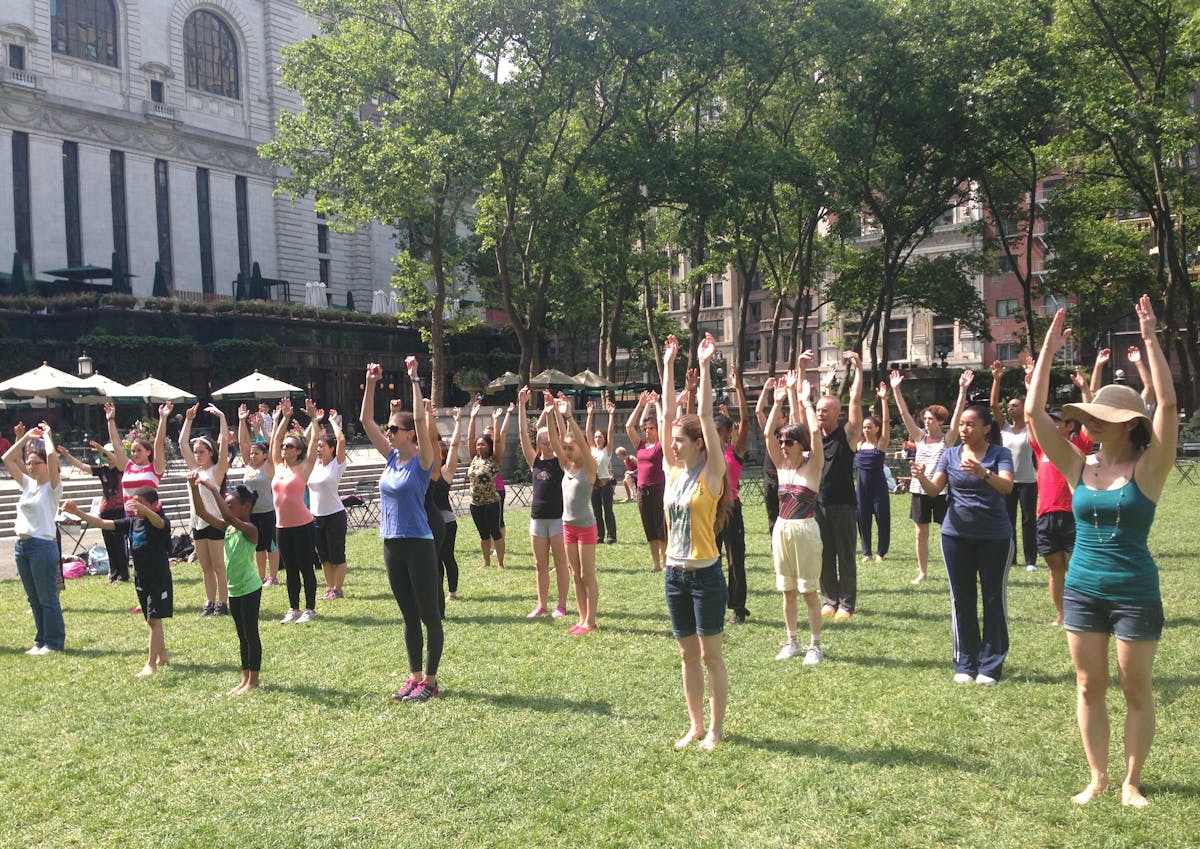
(551, 378)
(502, 382)
(48, 382)
(256, 387)
(155, 391)
(594, 381)
(110, 390)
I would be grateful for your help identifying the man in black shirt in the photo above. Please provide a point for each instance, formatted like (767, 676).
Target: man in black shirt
(836, 507)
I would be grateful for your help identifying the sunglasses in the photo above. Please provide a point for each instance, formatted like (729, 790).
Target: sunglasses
(287, 445)
(787, 442)
(394, 429)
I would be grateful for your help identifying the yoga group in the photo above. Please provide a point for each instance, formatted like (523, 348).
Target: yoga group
(1085, 478)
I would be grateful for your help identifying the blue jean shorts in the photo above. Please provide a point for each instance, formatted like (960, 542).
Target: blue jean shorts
(696, 600)
(1132, 621)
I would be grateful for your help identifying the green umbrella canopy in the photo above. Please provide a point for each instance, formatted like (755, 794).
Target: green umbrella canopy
(258, 289)
(81, 272)
(242, 292)
(16, 283)
(350, 301)
(120, 278)
(161, 290)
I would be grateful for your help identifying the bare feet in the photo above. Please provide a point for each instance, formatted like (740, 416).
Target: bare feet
(146, 672)
(878, 558)
(686, 740)
(1091, 792)
(1131, 796)
(710, 741)
(235, 691)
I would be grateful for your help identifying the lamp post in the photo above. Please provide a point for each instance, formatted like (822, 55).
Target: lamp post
(84, 366)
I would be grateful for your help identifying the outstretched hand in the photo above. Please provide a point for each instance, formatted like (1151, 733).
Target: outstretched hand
(1057, 334)
(966, 379)
(1147, 321)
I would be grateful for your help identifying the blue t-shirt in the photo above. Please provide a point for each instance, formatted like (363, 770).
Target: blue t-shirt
(402, 499)
(974, 509)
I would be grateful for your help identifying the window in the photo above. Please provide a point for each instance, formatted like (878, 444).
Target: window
(157, 93)
(204, 216)
(210, 55)
(242, 201)
(714, 293)
(1054, 303)
(851, 332)
(1004, 264)
(85, 29)
(322, 238)
(897, 339)
(676, 301)
(16, 57)
(1049, 187)
(943, 335)
(162, 206)
(70, 170)
(754, 314)
(1008, 351)
(756, 281)
(323, 271)
(120, 221)
(22, 215)
(1007, 308)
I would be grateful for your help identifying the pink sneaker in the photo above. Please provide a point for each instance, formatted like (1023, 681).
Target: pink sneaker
(559, 612)
(536, 612)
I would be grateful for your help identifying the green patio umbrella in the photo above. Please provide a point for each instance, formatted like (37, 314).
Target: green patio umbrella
(161, 290)
(350, 301)
(258, 289)
(242, 292)
(16, 284)
(120, 284)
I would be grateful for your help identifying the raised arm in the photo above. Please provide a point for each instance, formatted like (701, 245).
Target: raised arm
(114, 435)
(816, 453)
(500, 436)
(160, 440)
(450, 467)
(185, 434)
(635, 418)
(555, 426)
(964, 383)
(14, 457)
(915, 431)
(669, 406)
(884, 435)
(563, 409)
(791, 382)
(1102, 358)
(427, 448)
(742, 440)
(471, 434)
(335, 422)
(51, 455)
(610, 407)
(1061, 451)
(283, 417)
(854, 415)
(523, 433)
(1160, 455)
(244, 441)
(1134, 354)
(64, 454)
(994, 400)
(305, 467)
(88, 518)
(194, 483)
(765, 396)
(772, 422)
(714, 464)
(222, 464)
(367, 411)
(590, 420)
(1081, 383)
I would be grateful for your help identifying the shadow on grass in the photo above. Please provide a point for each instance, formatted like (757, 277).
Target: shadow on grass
(320, 695)
(93, 652)
(891, 662)
(893, 756)
(543, 704)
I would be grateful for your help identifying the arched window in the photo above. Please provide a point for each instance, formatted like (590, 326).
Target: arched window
(210, 55)
(85, 29)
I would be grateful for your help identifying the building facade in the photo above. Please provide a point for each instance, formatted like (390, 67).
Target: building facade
(132, 127)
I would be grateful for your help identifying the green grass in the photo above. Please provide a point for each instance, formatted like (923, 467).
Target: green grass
(549, 740)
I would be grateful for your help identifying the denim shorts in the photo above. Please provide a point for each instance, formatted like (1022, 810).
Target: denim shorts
(696, 600)
(1131, 621)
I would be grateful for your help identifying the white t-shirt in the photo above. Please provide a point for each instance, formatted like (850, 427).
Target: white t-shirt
(928, 454)
(603, 463)
(323, 483)
(207, 496)
(37, 508)
(1024, 471)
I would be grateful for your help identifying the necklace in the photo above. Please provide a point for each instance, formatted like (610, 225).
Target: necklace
(1095, 517)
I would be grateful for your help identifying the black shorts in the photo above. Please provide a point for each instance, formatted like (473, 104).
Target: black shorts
(208, 532)
(1055, 532)
(487, 520)
(503, 493)
(926, 508)
(331, 537)
(157, 600)
(265, 522)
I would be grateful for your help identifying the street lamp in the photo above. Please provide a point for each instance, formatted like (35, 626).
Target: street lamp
(84, 366)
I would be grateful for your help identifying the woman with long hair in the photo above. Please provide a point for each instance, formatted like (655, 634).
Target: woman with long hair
(873, 494)
(1112, 585)
(211, 462)
(295, 457)
(796, 538)
(409, 554)
(695, 511)
(651, 479)
(581, 531)
(487, 458)
(329, 513)
(976, 542)
(38, 475)
(602, 494)
(260, 471)
(545, 512)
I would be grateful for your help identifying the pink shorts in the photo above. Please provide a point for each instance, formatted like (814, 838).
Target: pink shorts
(574, 534)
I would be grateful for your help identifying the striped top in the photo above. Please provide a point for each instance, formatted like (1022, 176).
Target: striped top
(691, 509)
(796, 501)
(135, 477)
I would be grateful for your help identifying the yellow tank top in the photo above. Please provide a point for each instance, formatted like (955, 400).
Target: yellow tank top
(691, 511)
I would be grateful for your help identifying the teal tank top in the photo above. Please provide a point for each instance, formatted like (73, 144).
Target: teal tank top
(240, 571)
(1112, 559)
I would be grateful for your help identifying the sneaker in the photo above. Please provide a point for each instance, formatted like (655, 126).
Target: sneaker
(36, 650)
(270, 582)
(790, 649)
(327, 595)
(138, 610)
(540, 610)
(410, 686)
(559, 612)
(208, 609)
(827, 610)
(220, 609)
(290, 617)
(612, 541)
(425, 692)
(962, 678)
(307, 616)
(841, 616)
(985, 680)
(1031, 567)
(338, 594)
(736, 619)
(813, 656)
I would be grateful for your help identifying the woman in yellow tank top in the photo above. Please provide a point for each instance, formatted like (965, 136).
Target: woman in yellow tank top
(696, 509)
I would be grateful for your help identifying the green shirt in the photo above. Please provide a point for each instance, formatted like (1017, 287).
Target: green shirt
(240, 570)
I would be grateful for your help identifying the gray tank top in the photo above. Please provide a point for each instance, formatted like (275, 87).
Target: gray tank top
(577, 500)
(258, 481)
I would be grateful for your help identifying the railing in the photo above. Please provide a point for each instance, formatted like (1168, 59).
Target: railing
(19, 77)
(160, 110)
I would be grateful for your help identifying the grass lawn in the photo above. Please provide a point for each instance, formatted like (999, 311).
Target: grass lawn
(544, 739)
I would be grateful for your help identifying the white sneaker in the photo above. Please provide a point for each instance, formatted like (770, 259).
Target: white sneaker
(1031, 567)
(790, 649)
(985, 680)
(962, 678)
(307, 616)
(35, 650)
(291, 616)
(813, 656)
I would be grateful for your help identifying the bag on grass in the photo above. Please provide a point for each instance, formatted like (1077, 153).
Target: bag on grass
(181, 546)
(73, 567)
(97, 560)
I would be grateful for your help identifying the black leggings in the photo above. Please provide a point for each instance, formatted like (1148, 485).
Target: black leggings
(117, 546)
(297, 556)
(602, 501)
(244, 610)
(411, 565)
(448, 564)
(733, 537)
(1024, 494)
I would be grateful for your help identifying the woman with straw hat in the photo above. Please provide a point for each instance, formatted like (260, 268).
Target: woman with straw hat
(1112, 583)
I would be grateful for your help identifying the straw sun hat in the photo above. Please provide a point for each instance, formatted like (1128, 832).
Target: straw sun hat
(1114, 404)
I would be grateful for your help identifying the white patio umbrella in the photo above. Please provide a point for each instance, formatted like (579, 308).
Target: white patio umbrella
(110, 390)
(48, 382)
(155, 391)
(256, 387)
(379, 302)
